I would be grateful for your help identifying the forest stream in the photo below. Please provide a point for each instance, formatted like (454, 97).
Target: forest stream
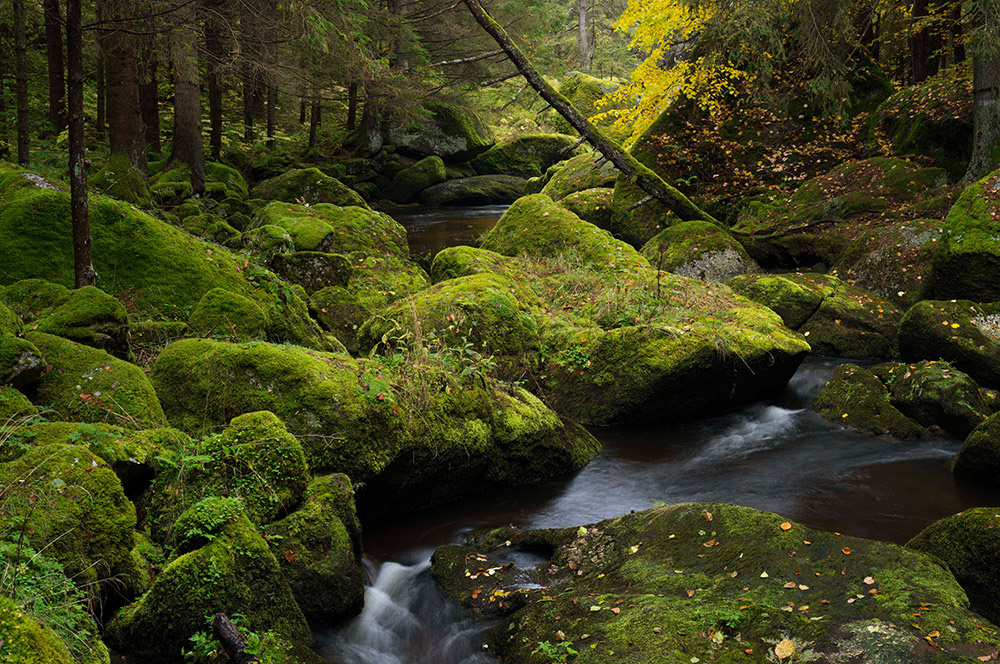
(779, 457)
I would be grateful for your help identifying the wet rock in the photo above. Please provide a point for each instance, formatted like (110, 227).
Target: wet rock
(979, 458)
(409, 182)
(959, 331)
(856, 398)
(967, 263)
(476, 190)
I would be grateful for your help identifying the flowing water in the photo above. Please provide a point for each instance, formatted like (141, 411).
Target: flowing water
(777, 456)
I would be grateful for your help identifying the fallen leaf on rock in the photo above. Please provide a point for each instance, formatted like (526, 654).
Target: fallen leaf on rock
(869, 580)
(786, 526)
(784, 649)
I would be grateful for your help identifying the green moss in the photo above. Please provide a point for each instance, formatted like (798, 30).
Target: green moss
(88, 316)
(578, 174)
(309, 186)
(27, 642)
(961, 332)
(313, 270)
(584, 91)
(329, 229)
(356, 417)
(979, 458)
(101, 440)
(268, 239)
(209, 227)
(342, 312)
(452, 132)
(71, 506)
(969, 543)
(229, 177)
(967, 262)
(228, 316)
(318, 548)
(255, 459)
(14, 406)
(88, 385)
(119, 179)
(711, 582)
(409, 182)
(591, 205)
(29, 297)
(700, 250)
(524, 156)
(172, 184)
(10, 323)
(857, 399)
(231, 574)
(21, 363)
(476, 190)
(455, 262)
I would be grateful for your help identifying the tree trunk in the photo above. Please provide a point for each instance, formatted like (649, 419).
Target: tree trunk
(315, 119)
(233, 642)
(272, 113)
(644, 178)
(4, 128)
(21, 78)
(54, 52)
(214, 48)
(248, 94)
(583, 35)
(102, 98)
(371, 129)
(126, 133)
(986, 117)
(187, 144)
(957, 36)
(920, 45)
(83, 266)
(352, 106)
(149, 94)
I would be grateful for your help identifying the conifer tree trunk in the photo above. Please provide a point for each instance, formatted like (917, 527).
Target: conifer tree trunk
(986, 117)
(79, 204)
(315, 119)
(187, 144)
(583, 35)
(102, 102)
(644, 178)
(248, 94)
(352, 105)
(214, 49)
(4, 128)
(21, 82)
(54, 53)
(149, 92)
(272, 113)
(126, 133)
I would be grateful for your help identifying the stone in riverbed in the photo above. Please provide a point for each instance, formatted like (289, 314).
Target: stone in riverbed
(476, 190)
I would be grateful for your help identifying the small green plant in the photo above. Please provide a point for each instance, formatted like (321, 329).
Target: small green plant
(556, 652)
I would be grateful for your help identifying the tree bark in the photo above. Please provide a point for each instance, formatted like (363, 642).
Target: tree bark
(187, 146)
(272, 113)
(371, 129)
(315, 119)
(126, 133)
(920, 45)
(149, 94)
(4, 127)
(248, 94)
(21, 83)
(233, 642)
(54, 52)
(986, 117)
(102, 98)
(352, 105)
(644, 178)
(83, 266)
(583, 35)
(214, 49)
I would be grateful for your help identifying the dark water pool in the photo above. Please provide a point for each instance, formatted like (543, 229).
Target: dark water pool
(432, 229)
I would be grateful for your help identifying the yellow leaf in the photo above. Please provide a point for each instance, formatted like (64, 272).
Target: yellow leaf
(784, 649)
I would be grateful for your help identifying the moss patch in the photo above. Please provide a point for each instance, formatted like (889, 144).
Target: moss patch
(308, 186)
(699, 250)
(967, 263)
(962, 332)
(524, 156)
(226, 315)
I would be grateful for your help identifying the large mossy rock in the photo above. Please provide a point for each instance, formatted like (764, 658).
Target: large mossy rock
(856, 398)
(699, 250)
(524, 156)
(591, 205)
(65, 501)
(14, 406)
(319, 550)
(420, 432)
(21, 363)
(255, 459)
(25, 641)
(119, 179)
(967, 263)
(475, 190)
(234, 573)
(83, 384)
(580, 173)
(88, 316)
(584, 91)
(969, 542)
(959, 331)
(711, 582)
(226, 315)
(838, 318)
(337, 230)
(979, 458)
(308, 186)
(313, 270)
(451, 132)
(409, 182)
(619, 342)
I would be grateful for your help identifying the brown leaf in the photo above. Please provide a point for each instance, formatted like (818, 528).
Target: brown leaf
(289, 555)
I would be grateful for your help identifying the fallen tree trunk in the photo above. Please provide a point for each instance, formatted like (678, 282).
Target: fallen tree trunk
(233, 642)
(643, 177)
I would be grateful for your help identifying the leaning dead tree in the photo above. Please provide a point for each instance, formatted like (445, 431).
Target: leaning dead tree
(643, 177)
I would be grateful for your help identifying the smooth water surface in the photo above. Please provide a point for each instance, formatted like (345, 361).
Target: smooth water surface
(432, 229)
(778, 457)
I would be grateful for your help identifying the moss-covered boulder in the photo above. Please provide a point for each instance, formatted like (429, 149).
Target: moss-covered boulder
(838, 318)
(226, 315)
(967, 263)
(699, 250)
(409, 182)
(455, 262)
(25, 641)
(88, 316)
(969, 542)
(578, 174)
(332, 229)
(359, 417)
(255, 459)
(119, 179)
(584, 91)
(342, 312)
(591, 205)
(233, 573)
(711, 582)
(856, 398)
(66, 502)
(21, 362)
(83, 384)
(313, 270)
(318, 547)
(210, 227)
(979, 458)
(525, 156)
(14, 406)
(308, 186)
(449, 131)
(959, 331)
(267, 240)
(475, 190)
